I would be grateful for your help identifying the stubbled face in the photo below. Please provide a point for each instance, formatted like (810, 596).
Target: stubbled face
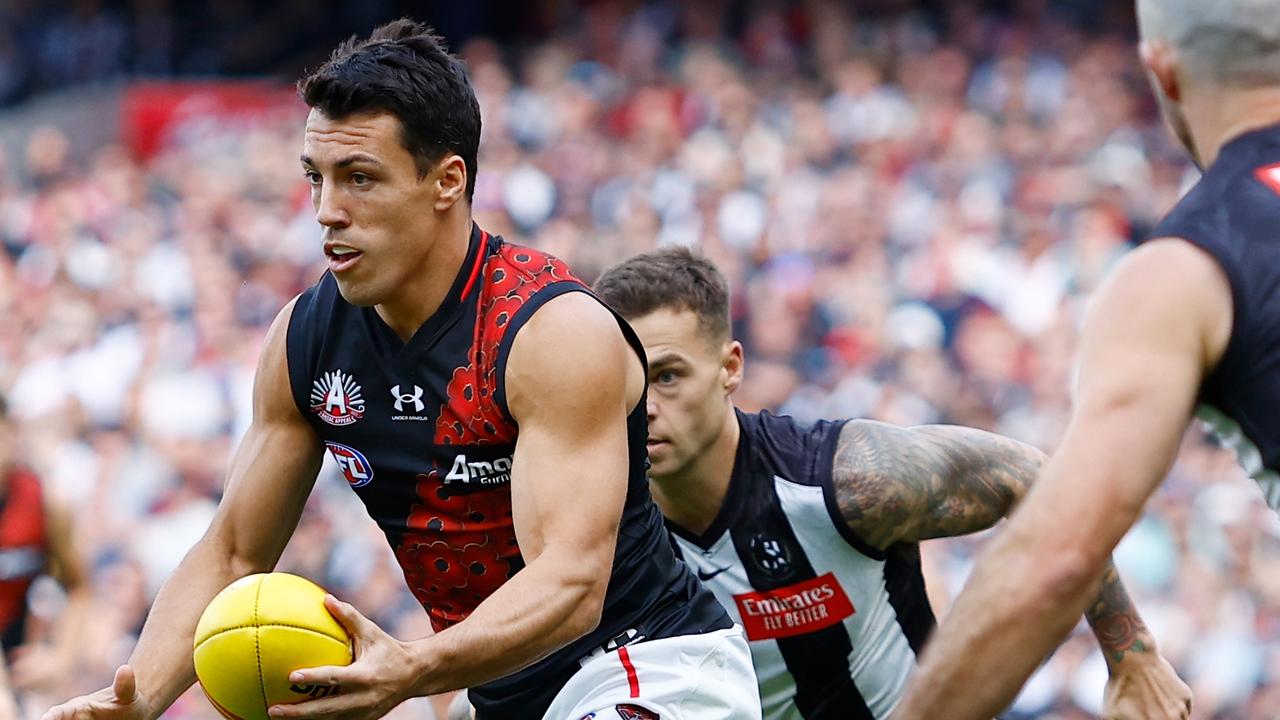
(376, 211)
(690, 379)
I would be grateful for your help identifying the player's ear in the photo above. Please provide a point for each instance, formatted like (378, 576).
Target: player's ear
(732, 365)
(450, 176)
(1161, 61)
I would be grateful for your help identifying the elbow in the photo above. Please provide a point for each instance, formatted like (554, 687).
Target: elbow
(590, 610)
(219, 549)
(1064, 579)
(588, 606)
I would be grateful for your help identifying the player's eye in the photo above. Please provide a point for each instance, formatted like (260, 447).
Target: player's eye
(312, 176)
(667, 377)
(360, 179)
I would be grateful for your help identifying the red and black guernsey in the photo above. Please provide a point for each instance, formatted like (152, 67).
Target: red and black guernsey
(1232, 214)
(23, 549)
(422, 433)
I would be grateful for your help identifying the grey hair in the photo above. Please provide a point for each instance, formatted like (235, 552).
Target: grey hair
(1236, 42)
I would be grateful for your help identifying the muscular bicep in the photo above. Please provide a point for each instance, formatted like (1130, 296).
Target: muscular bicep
(897, 484)
(274, 467)
(569, 380)
(1158, 323)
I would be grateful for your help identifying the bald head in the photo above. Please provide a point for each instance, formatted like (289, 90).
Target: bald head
(1236, 42)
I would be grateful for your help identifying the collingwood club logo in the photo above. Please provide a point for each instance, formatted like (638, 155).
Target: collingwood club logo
(336, 398)
(770, 555)
(409, 405)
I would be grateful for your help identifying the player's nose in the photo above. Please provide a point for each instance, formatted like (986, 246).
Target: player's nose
(329, 210)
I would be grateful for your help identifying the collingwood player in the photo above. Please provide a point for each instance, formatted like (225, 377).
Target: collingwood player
(1187, 324)
(808, 534)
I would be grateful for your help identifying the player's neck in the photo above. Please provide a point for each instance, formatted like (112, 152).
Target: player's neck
(422, 296)
(1232, 114)
(692, 498)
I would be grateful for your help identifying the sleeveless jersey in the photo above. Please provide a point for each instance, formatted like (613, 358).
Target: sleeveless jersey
(23, 550)
(422, 433)
(834, 624)
(1232, 214)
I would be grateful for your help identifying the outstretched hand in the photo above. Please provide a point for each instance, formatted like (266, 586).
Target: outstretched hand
(121, 701)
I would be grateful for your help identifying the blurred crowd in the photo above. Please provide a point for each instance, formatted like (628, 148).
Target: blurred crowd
(912, 209)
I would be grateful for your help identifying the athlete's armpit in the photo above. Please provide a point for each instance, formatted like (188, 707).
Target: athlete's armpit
(898, 484)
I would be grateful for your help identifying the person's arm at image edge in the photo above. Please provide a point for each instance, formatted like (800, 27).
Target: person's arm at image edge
(1160, 320)
(897, 485)
(270, 476)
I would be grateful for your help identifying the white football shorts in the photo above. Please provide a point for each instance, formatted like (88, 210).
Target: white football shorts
(688, 677)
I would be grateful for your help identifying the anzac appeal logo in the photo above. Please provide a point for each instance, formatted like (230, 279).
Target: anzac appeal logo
(336, 398)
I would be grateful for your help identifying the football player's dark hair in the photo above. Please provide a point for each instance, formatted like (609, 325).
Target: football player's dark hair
(405, 69)
(674, 278)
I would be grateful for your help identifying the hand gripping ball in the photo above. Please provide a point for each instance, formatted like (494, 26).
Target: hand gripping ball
(257, 631)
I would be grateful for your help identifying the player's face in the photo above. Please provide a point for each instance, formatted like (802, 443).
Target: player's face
(690, 379)
(378, 213)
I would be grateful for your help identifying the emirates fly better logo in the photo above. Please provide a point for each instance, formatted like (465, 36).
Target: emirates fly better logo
(336, 398)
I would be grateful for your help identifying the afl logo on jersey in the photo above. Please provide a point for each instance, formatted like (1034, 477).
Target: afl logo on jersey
(354, 465)
(337, 399)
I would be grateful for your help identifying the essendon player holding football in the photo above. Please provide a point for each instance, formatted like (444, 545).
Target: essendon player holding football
(490, 413)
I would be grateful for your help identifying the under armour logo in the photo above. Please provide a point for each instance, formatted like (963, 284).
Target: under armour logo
(414, 397)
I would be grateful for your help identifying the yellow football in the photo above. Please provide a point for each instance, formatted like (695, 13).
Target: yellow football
(257, 631)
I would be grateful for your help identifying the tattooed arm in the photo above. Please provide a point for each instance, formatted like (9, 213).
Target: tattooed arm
(897, 485)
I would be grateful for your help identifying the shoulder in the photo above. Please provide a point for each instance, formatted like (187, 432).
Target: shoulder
(569, 314)
(1172, 289)
(800, 451)
(572, 350)
(517, 265)
(1230, 212)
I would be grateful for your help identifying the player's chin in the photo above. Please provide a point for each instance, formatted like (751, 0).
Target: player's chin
(661, 460)
(359, 292)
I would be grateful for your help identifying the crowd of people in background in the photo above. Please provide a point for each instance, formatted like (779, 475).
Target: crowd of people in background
(912, 213)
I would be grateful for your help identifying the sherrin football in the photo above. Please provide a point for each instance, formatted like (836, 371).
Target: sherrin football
(257, 631)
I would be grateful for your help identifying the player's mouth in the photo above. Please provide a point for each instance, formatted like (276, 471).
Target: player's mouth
(341, 257)
(655, 443)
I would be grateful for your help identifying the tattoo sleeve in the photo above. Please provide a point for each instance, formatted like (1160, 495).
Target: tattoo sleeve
(898, 484)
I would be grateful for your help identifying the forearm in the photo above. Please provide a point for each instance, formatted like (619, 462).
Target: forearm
(1015, 609)
(535, 613)
(73, 623)
(162, 659)
(1115, 621)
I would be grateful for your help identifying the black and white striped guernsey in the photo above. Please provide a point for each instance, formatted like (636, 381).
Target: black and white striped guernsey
(834, 624)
